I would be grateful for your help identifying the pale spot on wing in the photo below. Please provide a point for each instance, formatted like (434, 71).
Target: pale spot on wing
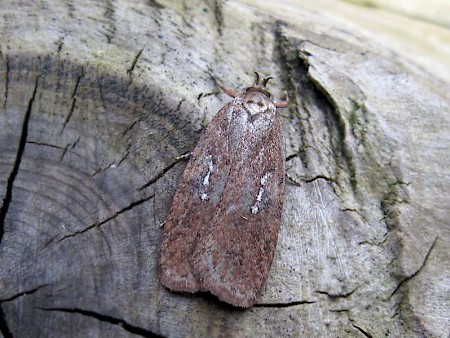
(256, 207)
(204, 196)
(210, 169)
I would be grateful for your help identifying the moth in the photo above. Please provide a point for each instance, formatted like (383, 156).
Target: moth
(221, 232)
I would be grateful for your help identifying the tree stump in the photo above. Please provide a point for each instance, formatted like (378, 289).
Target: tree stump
(97, 101)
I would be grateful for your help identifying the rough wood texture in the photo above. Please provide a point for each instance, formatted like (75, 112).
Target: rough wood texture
(97, 99)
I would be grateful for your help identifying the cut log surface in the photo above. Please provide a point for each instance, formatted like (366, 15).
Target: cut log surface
(99, 98)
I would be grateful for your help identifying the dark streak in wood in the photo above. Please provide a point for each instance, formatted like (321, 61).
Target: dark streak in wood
(24, 293)
(4, 329)
(6, 81)
(140, 331)
(15, 169)
(116, 214)
(135, 60)
(408, 278)
(74, 100)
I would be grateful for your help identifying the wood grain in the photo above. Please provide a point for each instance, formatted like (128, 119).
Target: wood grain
(97, 100)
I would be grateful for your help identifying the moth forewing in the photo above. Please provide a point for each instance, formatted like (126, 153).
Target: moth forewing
(190, 213)
(222, 229)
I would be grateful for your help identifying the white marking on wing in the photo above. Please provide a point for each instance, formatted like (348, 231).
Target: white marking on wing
(204, 196)
(255, 207)
(210, 170)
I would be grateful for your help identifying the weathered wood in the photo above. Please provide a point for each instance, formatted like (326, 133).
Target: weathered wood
(98, 99)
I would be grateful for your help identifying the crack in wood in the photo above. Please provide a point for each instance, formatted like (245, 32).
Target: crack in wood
(64, 152)
(6, 81)
(20, 150)
(125, 156)
(64, 149)
(4, 329)
(46, 145)
(360, 329)
(290, 157)
(133, 63)
(130, 127)
(162, 172)
(113, 163)
(310, 180)
(104, 168)
(60, 46)
(76, 142)
(74, 100)
(339, 310)
(326, 178)
(110, 218)
(410, 277)
(337, 295)
(140, 331)
(373, 243)
(23, 293)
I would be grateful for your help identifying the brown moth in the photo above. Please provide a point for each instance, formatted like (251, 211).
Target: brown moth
(221, 232)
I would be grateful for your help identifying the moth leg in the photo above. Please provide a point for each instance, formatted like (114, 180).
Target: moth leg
(282, 104)
(183, 157)
(228, 91)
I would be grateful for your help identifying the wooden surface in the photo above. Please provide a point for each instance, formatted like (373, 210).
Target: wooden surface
(417, 31)
(97, 99)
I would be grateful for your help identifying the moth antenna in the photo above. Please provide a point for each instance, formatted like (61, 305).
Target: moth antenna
(264, 83)
(256, 79)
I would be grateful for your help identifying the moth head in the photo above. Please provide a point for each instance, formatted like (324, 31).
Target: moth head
(257, 99)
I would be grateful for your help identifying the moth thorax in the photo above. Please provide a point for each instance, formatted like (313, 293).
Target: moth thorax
(257, 104)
